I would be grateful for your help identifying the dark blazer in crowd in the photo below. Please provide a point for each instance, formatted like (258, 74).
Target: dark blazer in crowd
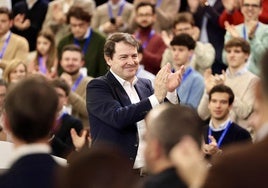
(112, 116)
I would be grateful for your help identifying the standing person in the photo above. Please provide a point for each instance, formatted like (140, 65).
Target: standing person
(206, 15)
(165, 11)
(44, 60)
(253, 31)
(29, 16)
(151, 41)
(89, 40)
(239, 166)
(238, 78)
(118, 101)
(12, 45)
(182, 122)
(56, 17)
(204, 53)
(71, 62)
(30, 112)
(192, 84)
(221, 131)
(112, 16)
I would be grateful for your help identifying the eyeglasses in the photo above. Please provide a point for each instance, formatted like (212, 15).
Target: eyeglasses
(144, 15)
(247, 5)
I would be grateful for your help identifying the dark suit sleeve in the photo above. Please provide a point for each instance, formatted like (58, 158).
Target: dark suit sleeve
(108, 105)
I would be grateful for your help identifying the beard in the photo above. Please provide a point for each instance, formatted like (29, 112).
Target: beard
(145, 27)
(73, 72)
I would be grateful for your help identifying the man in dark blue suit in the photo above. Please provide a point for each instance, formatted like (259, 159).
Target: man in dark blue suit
(30, 112)
(118, 101)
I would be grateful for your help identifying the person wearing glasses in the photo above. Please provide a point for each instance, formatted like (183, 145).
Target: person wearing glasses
(252, 30)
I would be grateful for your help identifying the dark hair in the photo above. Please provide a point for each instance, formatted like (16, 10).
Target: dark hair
(31, 107)
(109, 46)
(73, 48)
(60, 83)
(222, 89)
(143, 4)
(183, 17)
(5, 10)
(101, 167)
(183, 39)
(52, 52)
(238, 42)
(173, 123)
(78, 12)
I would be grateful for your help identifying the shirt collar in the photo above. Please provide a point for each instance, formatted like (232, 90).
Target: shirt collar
(30, 3)
(122, 81)
(238, 73)
(221, 127)
(5, 36)
(87, 33)
(117, 5)
(28, 149)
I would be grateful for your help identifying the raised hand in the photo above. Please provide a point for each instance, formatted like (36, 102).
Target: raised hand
(79, 141)
(160, 85)
(174, 79)
(231, 29)
(166, 37)
(212, 147)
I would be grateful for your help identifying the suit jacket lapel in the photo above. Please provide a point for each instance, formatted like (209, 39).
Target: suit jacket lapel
(118, 89)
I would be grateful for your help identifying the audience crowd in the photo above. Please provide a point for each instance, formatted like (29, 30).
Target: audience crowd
(134, 93)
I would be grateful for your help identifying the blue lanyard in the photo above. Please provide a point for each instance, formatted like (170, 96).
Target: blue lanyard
(5, 46)
(145, 43)
(110, 11)
(86, 43)
(187, 73)
(158, 3)
(77, 82)
(41, 65)
(245, 32)
(222, 134)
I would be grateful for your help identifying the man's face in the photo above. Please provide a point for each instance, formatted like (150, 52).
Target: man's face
(5, 24)
(62, 97)
(183, 28)
(145, 17)
(181, 55)
(251, 9)
(71, 62)
(78, 27)
(235, 57)
(219, 105)
(125, 61)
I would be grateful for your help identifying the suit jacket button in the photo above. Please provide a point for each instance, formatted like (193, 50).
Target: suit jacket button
(136, 145)
(131, 159)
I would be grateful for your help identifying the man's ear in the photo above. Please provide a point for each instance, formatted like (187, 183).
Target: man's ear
(82, 63)
(108, 60)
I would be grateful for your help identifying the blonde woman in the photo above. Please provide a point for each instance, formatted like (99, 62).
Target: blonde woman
(15, 71)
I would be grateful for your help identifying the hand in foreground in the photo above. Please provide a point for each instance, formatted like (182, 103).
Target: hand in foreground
(79, 141)
(188, 160)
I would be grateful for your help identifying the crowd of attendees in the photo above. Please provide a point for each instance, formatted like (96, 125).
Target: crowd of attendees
(204, 54)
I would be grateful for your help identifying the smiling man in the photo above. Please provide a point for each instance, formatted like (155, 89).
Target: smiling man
(238, 78)
(118, 101)
(89, 40)
(255, 32)
(221, 131)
